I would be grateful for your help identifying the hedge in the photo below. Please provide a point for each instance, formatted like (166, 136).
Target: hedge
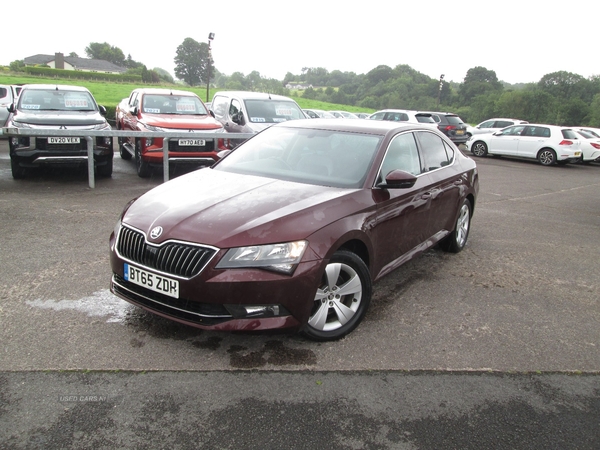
(80, 75)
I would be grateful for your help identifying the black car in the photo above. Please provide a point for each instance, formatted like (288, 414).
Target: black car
(57, 107)
(452, 126)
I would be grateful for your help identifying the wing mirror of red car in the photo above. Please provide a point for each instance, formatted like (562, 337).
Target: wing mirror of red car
(134, 111)
(398, 179)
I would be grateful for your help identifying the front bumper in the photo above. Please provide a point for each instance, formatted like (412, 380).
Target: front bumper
(226, 299)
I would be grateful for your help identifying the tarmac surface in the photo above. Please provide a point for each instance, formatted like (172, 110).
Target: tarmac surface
(495, 347)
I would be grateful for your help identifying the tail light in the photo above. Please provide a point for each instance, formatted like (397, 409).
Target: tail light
(566, 142)
(596, 146)
(450, 127)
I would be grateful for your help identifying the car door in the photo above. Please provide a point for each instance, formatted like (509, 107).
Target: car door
(506, 142)
(532, 140)
(445, 182)
(402, 215)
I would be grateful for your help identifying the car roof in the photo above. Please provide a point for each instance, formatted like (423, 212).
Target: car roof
(57, 87)
(379, 127)
(164, 91)
(247, 95)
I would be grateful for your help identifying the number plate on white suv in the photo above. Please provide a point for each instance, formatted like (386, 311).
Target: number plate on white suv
(152, 281)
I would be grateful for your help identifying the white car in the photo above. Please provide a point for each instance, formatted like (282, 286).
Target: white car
(590, 145)
(404, 115)
(549, 144)
(491, 125)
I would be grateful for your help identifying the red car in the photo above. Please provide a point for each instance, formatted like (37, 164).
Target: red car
(160, 110)
(291, 228)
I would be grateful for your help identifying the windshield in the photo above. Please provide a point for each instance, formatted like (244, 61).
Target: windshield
(172, 104)
(272, 111)
(55, 100)
(424, 118)
(321, 157)
(454, 120)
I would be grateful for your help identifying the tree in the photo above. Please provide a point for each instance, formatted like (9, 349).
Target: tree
(164, 75)
(105, 52)
(479, 81)
(193, 62)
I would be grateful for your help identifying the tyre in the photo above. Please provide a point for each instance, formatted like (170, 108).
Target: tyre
(18, 172)
(479, 148)
(546, 157)
(143, 168)
(105, 170)
(457, 239)
(342, 298)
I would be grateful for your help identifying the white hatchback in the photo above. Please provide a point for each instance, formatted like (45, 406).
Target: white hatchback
(404, 115)
(549, 144)
(590, 144)
(491, 125)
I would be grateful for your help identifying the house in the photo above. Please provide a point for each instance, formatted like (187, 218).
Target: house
(60, 61)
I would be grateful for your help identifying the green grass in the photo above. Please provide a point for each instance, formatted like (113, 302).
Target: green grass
(110, 94)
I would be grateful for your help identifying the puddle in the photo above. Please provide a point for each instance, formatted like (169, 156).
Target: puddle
(100, 304)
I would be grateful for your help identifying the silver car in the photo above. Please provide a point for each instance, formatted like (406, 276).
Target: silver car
(8, 95)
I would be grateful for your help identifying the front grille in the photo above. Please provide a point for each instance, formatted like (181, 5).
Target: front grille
(42, 144)
(175, 258)
(195, 312)
(175, 147)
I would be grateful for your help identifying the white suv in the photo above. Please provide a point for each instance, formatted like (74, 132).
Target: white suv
(404, 115)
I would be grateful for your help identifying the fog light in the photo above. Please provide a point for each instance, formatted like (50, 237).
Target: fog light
(256, 311)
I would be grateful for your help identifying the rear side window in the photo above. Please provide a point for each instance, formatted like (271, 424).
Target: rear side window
(568, 134)
(396, 117)
(503, 123)
(433, 151)
(3, 92)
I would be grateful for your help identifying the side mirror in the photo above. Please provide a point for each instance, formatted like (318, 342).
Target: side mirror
(398, 179)
(238, 118)
(102, 110)
(12, 108)
(134, 111)
(211, 112)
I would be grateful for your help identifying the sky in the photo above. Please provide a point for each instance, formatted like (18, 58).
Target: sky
(521, 40)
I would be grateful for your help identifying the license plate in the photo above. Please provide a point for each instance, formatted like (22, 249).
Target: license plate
(192, 142)
(460, 132)
(63, 140)
(152, 281)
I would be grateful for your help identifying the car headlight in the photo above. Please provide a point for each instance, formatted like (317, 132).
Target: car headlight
(276, 257)
(16, 124)
(153, 128)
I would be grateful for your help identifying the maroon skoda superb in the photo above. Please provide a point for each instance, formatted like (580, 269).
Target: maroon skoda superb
(293, 227)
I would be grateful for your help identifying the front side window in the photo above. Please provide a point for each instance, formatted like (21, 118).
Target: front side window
(219, 106)
(513, 131)
(402, 154)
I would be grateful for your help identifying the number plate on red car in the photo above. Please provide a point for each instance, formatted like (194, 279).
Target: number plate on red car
(192, 142)
(152, 281)
(63, 140)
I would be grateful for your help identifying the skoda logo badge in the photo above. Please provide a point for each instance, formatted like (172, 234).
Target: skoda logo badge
(156, 232)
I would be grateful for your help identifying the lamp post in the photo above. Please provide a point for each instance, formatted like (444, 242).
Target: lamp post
(211, 36)
(440, 89)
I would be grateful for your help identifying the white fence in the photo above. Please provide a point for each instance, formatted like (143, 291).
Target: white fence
(90, 134)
